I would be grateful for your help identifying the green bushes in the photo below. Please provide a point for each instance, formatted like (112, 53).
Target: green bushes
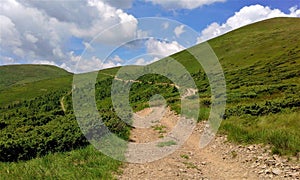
(265, 108)
(36, 130)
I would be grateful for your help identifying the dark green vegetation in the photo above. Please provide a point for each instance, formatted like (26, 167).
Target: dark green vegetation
(261, 63)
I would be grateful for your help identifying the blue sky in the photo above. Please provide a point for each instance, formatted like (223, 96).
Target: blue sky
(58, 32)
(199, 18)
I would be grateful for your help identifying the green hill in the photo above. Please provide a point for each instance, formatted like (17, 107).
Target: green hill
(21, 82)
(261, 64)
(21, 74)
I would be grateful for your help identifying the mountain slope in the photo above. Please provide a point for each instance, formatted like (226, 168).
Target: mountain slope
(21, 74)
(23, 82)
(261, 64)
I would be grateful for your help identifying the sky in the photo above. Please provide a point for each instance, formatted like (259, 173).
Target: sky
(86, 35)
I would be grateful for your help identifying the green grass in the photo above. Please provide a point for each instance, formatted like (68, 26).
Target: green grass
(23, 74)
(185, 156)
(86, 163)
(190, 165)
(167, 143)
(233, 154)
(159, 128)
(281, 131)
(20, 92)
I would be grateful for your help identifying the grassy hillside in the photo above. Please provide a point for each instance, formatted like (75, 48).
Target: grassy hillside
(22, 74)
(261, 64)
(85, 163)
(21, 82)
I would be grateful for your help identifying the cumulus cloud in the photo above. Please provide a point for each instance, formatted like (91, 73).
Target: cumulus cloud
(7, 60)
(162, 48)
(183, 4)
(36, 30)
(29, 33)
(9, 36)
(140, 61)
(46, 62)
(179, 30)
(246, 15)
(117, 59)
(124, 4)
(79, 64)
(165, 25)
(31, 38)
(106, 17)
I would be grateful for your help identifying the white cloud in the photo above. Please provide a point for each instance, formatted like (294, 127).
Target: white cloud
(142, 61)
(123, 4)
(46, 62)
(57, 52)
(246, 15)
(34, 30)
(165, 25)
(34, 34)
(87, 46)
(179, 30)
(183, 4)
(79, 64)
(162, 48)
(7, 60)
(31, 38)
(9, 36)
(117, 59)
(105, 18)
(109, 64)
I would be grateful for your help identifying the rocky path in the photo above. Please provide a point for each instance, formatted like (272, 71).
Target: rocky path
(219, 160)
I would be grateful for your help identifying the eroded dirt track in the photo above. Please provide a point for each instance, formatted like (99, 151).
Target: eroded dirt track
(219, 160)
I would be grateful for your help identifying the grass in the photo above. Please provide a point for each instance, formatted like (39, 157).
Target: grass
(160, 128)
(234, 154)
(23, 74)
(279, 130)
(18, 93)
(190, 165)
(167, 143)
(86, 163)
(24, 82)
(185, 156)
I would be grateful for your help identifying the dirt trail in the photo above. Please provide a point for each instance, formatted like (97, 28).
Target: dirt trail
(219, 160)
(62, 104)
